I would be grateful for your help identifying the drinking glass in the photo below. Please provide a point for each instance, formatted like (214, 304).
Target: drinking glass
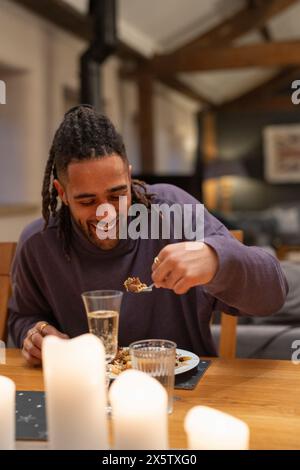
(103, 309)
(157, 358)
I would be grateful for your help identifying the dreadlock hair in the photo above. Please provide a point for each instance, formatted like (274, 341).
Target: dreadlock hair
(84, 134)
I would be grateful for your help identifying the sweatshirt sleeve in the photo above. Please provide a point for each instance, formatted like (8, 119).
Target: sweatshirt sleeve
(27, 304)
(249, 280)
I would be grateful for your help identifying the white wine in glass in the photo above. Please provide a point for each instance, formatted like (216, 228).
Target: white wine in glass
(103, 309)
(105, 324)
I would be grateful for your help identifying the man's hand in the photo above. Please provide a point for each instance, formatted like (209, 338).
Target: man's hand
(32, 345)
(180, 266)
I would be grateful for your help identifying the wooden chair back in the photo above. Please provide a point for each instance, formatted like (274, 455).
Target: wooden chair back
(7, 251)
(228, 335)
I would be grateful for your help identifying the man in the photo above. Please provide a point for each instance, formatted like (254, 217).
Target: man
(59, 258)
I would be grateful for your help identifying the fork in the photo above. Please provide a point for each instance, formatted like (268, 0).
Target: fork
(147, 289)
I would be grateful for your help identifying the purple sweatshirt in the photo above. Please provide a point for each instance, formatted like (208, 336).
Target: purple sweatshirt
(47, 286)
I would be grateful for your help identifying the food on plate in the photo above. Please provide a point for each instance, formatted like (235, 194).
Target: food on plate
(122, 361)
(181, 359)
(133, 284)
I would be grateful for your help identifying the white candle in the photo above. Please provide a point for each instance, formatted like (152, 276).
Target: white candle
(7, 413)
(74, 372)
(210, 429)
(139, 408)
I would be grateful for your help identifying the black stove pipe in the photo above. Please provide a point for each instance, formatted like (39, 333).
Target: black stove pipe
(104, 14)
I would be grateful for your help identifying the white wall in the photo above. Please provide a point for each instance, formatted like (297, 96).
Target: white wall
(129, 100)
(13, 145)
(175, 132)
(48, 59)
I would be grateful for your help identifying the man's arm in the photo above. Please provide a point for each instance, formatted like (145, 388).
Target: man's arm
(249, 280)
(242, 279)
(28, 308)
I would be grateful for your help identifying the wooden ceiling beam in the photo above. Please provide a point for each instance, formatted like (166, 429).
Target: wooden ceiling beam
(255, 16)
(131, 72)
(181, 87)
(237, 25)
(264, 92)
(273, 54)
(264, 30)
(269, 104)
(68, 18)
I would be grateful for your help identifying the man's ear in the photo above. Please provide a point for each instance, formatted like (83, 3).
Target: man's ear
(61, 191)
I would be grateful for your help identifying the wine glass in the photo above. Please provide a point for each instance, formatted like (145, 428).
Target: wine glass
(103, 309)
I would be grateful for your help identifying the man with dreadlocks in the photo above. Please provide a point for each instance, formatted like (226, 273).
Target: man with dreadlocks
(61, 256)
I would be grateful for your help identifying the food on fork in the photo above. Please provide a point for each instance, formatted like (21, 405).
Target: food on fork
(133, 284)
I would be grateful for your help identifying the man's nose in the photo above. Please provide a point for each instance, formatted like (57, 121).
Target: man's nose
(107, 211)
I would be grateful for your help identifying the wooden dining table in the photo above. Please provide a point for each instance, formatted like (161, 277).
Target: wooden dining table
(263, 393)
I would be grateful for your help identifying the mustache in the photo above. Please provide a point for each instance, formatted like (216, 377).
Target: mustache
(104, 224)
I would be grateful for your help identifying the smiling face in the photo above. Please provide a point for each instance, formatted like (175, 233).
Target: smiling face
(89, 183)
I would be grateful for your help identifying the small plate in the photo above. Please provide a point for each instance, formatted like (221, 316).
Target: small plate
(186, 365)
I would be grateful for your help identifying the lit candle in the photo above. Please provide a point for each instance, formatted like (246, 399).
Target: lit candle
(7, 413)
(74, 372)
(210, 429)
(139, 410)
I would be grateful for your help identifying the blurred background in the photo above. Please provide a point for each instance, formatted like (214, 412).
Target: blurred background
(201, 91)
(206, 94)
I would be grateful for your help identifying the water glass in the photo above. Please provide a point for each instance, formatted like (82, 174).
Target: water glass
(157, 358)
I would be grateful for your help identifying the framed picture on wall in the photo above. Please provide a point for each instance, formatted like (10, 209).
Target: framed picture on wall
(282, 153)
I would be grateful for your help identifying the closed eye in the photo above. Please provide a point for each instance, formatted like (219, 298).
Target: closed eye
(116, 197)
(89, 203)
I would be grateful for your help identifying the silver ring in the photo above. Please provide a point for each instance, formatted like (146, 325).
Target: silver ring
(156, 260)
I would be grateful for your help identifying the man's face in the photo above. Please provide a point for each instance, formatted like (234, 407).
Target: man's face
(90, 183)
